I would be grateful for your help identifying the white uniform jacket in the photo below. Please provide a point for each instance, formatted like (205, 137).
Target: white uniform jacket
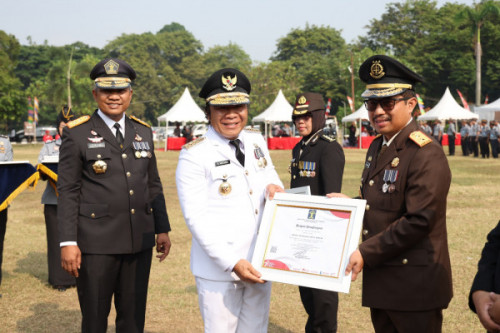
(224, 227)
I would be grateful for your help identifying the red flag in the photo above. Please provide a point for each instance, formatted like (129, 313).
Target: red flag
(351, 103)
(464, 102)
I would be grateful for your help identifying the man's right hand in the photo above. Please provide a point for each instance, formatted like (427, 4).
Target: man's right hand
(482, 300)
(71, 258)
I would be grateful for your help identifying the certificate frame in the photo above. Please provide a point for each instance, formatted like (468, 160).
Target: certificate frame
(335, 214)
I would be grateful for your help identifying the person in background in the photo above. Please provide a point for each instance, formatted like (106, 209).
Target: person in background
(186, 132)
(6, 155)
(494, 138)
(223, 179)
(177, 130)
(47, 136)
(473, 133)
(437, 131)
(426, 128)
(483, 138)
(352, 134)
(484, 295)
(111, 204)
(464, 133)
(451, 131)
(405, 181)
(318, 162)
(58, 278)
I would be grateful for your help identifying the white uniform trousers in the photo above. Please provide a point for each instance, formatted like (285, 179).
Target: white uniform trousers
(233, 306)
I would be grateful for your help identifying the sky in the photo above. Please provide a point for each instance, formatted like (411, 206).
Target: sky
(255, 25)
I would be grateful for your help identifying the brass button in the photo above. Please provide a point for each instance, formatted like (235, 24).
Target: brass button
(131, 192)
(132, 211)
(129, 174)
(92, 215)
(367, 207)
(99, 156)
(251, 192)
(246, 172)
(151, 210)
(405, 261)
(124, 156)
(365, 232)
(294, 176)
(256, 212)
(371, 182)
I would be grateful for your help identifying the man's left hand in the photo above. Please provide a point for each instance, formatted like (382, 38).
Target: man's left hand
(163, 245)
(271, 189)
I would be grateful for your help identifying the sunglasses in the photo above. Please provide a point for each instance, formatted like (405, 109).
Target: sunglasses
(387, 104)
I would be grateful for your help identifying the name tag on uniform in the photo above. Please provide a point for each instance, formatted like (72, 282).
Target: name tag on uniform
(96, 145)
(220, 163)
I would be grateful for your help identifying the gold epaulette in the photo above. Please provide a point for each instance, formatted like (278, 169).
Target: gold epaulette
(193, 143)
(328, 137)
(378, 136)
(139, 121)
(420, 138)
(78, 121)
(253, 130)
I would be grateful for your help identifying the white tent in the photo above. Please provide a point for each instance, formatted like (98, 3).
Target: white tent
(447, 108)
(279, 111)
(488, 111)
(358, 115)
(185, 110)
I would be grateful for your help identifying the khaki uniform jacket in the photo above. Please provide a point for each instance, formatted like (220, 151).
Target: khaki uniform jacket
(110, 212)
(405, 247)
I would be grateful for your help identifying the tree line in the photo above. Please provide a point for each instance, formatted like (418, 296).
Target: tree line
(439, 43)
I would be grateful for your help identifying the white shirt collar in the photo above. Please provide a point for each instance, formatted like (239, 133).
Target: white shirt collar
(110, 122)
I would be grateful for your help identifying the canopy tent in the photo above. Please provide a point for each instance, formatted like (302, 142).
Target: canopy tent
(184, 110)
(359, 115)
(279, 111)
(489, 111)
(447, 108)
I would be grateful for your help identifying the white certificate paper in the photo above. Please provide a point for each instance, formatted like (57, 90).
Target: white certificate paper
(307, 240)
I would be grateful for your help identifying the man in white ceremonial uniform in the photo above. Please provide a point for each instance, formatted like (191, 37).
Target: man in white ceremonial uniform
(223, 180)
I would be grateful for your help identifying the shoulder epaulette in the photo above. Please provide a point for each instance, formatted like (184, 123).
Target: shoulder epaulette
(378, 136)
(139, 121)
(328, 138)
(78, 121)
(194, 142)
(420, 138)
(252, 130)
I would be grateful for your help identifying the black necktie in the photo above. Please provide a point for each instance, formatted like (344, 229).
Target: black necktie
(119, 136)
(239, 154)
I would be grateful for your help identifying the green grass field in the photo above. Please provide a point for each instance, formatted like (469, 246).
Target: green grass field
(29, 304)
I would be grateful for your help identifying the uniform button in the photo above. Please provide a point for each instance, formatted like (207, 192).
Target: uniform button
(371, 182)
(132, 211)
(124, 156)
(129, 174)
(367, 207)
(294, 176)
(251, 192)
(99, 156)
(365, 232)
(246, 172)
(150, 210)
(404, 261)
(256, 212)
(92, 215)
(131, 192)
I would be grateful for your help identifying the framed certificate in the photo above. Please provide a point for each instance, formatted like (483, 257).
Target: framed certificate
(307, 240)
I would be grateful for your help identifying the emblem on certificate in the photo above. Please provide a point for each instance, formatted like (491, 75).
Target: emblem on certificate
(225, 188)
(390, 177)
(259, 156)
(99, 167)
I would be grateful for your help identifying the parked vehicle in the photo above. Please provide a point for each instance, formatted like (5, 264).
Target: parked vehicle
(40, 132)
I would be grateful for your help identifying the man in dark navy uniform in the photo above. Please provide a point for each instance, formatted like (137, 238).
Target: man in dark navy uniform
(111, 204)
(317, 161)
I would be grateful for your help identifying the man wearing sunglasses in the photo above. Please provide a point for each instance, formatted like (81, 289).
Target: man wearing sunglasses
(405, 182)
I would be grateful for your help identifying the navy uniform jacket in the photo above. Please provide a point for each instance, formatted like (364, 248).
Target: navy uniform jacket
(405, 246)
(323, 154)
(488, 272)
(117, 211)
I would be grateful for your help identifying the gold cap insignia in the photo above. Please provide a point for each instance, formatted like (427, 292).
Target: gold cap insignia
(111, 67)
(302, 100)
(377, 70)
(229, 83)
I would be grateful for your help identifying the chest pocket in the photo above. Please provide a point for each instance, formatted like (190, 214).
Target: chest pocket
(98, 161)
(224, 181)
